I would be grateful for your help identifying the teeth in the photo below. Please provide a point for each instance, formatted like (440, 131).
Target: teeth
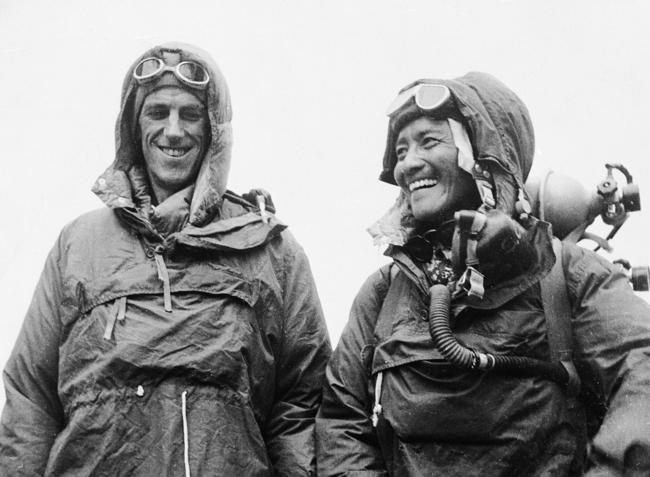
(174, 151)
(419, 184)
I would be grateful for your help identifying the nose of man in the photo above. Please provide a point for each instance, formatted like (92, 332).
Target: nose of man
(412, 161)
(173, 129)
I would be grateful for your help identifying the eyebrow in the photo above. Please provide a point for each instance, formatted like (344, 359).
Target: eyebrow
(164, 104)
(199, 107)
(440, 135)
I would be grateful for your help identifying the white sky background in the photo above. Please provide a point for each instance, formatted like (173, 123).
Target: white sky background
(310, 82)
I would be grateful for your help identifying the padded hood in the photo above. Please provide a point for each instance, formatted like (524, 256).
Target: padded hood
(502, 139)
(122, 183)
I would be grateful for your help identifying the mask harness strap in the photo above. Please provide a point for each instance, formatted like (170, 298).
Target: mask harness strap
(469, 224)
(482, 177)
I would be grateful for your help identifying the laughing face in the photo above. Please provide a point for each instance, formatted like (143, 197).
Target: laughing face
(428, 173)
(173, 126)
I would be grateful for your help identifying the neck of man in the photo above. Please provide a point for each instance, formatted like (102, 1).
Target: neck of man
(160, 194)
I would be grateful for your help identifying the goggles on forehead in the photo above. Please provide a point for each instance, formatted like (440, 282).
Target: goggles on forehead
(427, 97)
(189, 72)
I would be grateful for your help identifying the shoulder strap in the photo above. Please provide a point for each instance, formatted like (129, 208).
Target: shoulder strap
(384, 327)
(557, 310)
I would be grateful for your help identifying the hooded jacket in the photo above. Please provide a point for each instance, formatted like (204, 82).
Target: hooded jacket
(182, 339)
(434, 419)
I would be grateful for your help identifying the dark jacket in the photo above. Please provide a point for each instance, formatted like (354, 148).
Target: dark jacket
(438, 420)
(141, 343)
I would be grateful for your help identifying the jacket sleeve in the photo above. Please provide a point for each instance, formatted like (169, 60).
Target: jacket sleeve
(346, 441)
(612, 333)
(32, 415)
(304, 352)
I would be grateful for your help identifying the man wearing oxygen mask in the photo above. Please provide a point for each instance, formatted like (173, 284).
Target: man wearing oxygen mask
(177, 331)
(454, 360)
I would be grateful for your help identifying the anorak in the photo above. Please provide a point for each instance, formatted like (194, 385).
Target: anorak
(438, 420)
(182, 339)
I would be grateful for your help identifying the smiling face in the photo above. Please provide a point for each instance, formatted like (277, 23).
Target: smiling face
(174, 130)
(428, 173)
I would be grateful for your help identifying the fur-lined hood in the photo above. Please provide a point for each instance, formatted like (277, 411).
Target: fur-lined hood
(120, 185)
(502, 139)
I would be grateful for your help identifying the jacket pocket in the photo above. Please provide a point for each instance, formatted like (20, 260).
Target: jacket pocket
(427, 397)
(212, 336)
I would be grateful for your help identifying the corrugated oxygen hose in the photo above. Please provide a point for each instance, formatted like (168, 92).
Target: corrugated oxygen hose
(467, 358)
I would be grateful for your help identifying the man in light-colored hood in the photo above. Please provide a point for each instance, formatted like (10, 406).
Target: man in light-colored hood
(177, 331)
(189, 70)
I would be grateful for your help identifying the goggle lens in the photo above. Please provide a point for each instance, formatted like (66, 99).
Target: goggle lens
(427, 97)
(147, 68)
(189, 72)
(431, 96)
(193, 72)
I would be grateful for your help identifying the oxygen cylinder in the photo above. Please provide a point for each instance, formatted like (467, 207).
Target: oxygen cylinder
(567, 205)
(563, 202)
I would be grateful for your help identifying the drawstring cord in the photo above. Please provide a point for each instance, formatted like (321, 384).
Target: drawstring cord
(121, 308)
(261, 204)
(186, 451)
(376, 410)
(163, 275)
(119, 316)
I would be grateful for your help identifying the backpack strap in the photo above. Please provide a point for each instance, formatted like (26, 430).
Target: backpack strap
(557, 310)
(383, 329)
